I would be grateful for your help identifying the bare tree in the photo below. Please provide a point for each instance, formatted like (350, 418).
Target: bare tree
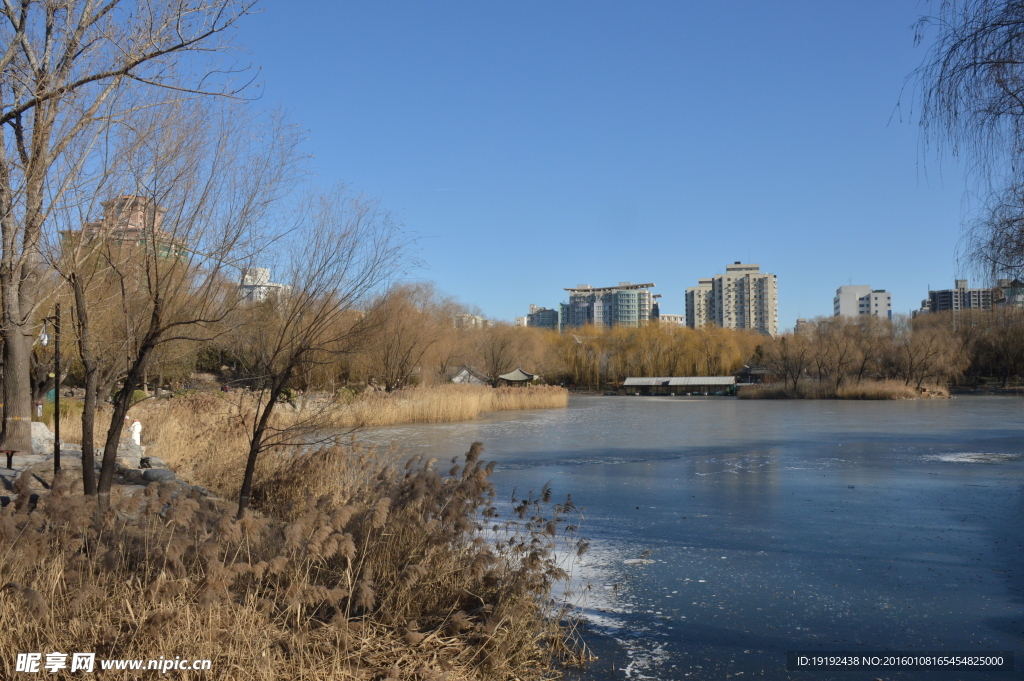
(339, 256)
(192, 191)
(66, 69)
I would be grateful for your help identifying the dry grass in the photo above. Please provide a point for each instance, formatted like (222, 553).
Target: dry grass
(865, 390)
(400, 573)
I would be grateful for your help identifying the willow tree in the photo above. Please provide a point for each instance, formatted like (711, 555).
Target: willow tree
(68, 69)
(971, 87)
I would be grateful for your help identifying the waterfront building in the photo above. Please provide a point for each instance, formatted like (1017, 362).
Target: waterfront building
(742, 298)
(680, 385)
(854, 301)
(542, 318)
(627, 304)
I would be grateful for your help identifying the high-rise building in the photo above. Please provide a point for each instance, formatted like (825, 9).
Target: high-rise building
(960, 298)
(742, 298)
(624, 305)
(853, 301)
(542, 317)
(699, 304)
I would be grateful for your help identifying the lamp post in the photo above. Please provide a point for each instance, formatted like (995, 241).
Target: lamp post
(44, 340)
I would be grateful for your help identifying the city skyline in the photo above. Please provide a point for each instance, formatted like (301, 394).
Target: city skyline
(600, 137)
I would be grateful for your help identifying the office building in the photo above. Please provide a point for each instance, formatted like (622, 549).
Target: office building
(742, 298)
(627, 304)
(854, 301)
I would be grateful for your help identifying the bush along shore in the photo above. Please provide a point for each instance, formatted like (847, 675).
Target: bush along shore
(864, 390)
(349, 566)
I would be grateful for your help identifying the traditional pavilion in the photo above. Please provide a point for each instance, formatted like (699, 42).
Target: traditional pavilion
(518, 377)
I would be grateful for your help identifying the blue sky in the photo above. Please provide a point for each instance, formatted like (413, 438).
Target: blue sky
(533, 146)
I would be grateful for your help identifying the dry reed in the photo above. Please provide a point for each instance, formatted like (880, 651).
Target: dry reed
(865, 390)
(399, 573)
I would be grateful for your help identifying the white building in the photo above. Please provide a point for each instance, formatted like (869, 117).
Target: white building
(472, 321)
(257, 287)
(677, 319)
(853, 301)
(742, 298)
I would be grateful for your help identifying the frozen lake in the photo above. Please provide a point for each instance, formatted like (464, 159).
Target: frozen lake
(776, 525)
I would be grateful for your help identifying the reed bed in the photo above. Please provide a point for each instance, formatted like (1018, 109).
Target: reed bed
(397, 573)
(865, 390)
(203, 436)
(445, 403)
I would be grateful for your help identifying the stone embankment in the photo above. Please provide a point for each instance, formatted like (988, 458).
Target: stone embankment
(133, 469)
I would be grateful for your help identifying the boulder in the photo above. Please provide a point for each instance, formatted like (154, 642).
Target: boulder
(39, 477)
(158, 475)
(152, 462)
(125, 463)
(42, 438)
(127, 447)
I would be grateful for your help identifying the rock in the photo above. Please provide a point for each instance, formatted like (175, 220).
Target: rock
(39, 430)
(158, 475)
(133, 476)
(152, 462)
(122, 463)
(133, 490)
(39, 477)
(127, 447)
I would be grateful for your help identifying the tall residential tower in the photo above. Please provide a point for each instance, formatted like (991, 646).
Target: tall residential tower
(742, 298)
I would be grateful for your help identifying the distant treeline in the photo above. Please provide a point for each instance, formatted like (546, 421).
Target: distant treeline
(966, 347)
(412, 337)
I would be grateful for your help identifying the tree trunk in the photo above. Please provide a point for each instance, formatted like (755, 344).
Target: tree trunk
(91, 388)
(17, 389)
(245, 494)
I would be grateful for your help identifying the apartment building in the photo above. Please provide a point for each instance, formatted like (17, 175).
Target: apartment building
(742, 298)
(627, 304)
(542, 317)
(699, 304)
(854, 301)
(962, 297)
(672, 319)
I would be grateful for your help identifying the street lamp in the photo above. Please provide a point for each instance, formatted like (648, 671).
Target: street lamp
(44, 340)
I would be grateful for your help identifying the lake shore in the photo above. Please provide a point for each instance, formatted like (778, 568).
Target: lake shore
(351, 565)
